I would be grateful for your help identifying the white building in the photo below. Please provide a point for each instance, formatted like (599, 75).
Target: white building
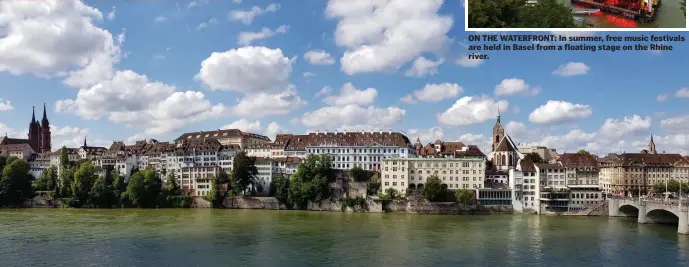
(454, 173)
(547, 154)
(525, 183)
(505, 154)
(359, 149)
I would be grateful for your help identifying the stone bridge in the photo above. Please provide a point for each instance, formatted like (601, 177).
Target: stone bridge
(652, 211)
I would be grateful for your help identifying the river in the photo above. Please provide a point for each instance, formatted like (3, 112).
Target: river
(205, 237)
(670, 16)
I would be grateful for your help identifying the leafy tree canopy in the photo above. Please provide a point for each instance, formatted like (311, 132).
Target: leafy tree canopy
(243, 172)
(516, 14)
(15, 183)
(433, 189)
(464, 196)
(535, 157)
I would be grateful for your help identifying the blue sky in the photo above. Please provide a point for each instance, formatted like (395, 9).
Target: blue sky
(128, 70)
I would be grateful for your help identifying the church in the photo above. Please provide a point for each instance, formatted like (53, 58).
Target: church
(39, 139)
(504, 154)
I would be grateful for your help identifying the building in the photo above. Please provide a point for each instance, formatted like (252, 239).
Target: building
(505, 154)
(549, 155)
(440, 149)
(524, 181)
(91, 152)
(454, 173)
(582, 174)
(39, 139)
(365, 150)
(226, 137)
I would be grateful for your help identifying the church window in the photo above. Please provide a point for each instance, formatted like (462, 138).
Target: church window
(503, 160)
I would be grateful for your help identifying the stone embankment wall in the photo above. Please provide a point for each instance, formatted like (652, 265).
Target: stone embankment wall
(425, 207)
(200, 202)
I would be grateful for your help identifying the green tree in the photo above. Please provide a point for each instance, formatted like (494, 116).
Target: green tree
(3, 161)
(243, 171)
(583, 152)
(358, 174)
(464, 196)
(136, 190)
(535, 157)
(433, 189)
(103, 194)
(311, 180)
(47, 181)
(390, 193)
(66, 178)
(280, 188)
(171, 186)
(216, 196)
(545, 14)
(118, 182)
(84, 178)
(64, 157)
(10, 160)
(154, 188)
(15, 183)
(684, 7)
(494, 13)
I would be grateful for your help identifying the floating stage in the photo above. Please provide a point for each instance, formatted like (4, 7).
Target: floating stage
(642, 10)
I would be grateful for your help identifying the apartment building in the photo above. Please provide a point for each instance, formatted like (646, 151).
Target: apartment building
(635, 173)
(525, 183)
(582, 174)
(412, 173)
(227, 137)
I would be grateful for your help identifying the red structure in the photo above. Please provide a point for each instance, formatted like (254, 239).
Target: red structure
(39, 133)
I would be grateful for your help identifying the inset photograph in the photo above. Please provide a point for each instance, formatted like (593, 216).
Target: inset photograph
(602, 14)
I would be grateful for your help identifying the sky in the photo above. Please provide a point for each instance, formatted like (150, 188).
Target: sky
(134, 70)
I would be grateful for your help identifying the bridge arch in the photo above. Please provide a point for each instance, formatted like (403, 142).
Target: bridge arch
(629, 210)
(662, 216)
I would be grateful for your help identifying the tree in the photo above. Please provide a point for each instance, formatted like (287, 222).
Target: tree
(535, 157)
(243, 170)
(684, 7)
(118, 182)
(358, 174)
(154, 188)
(171, 186)
(390, 193)
(311, 180)
(47, 181)
(15, 183)
(516, 14)
(545, 14)
(136, 190)
(3, 161)
(144, 189)
(280, 188)
(432, 189)
(583, 152)
(66, 178)
(216, 196)
(464, 196)
(102, 194)
(84, 178)
(64, 157)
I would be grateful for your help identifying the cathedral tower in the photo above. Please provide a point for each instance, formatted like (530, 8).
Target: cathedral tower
(34, 132)
(498, 132)
(45, 141)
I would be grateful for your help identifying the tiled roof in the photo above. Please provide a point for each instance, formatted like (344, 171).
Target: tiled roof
(358, 139)
(219, 134)
(549, 166)
(578, 160)
(294, 160)
(527, 165)
(642, 159)
(208, 144)
(506, 144)
(13, 141)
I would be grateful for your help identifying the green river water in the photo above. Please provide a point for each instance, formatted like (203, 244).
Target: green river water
(205, 237)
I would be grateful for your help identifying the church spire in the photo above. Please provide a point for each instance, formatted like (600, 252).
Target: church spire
(498, 112)
(33, 115)
(652, 146)
(85, 141)
(44, 121)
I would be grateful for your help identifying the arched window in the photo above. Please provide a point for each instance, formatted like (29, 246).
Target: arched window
(510, 163)
(503, 160)
(497, 138)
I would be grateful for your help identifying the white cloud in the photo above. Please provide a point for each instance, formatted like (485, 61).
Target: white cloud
(572, 141)
(662, 97)
(326, 90)
(353, 115)
(111, 15)
(481, 141)
(467, 62)
(557, 112)
(426, 135)
(249, 70)
(423, 67)
(246, 38)
(350, 95)
(514, 86)
(319, 57)
(679, 124)
(196, 3)
(205, 24)
(160, 19)
(384, 35)
(265, 104)
(676, 125)
(5, 105)
(470, 110)
(248, 16)
(617, 128)
(309, 74)
(131, 99)
(572, 69)
(237, 1)
(434, 93)
(245, 126)
(682, 93)
(55, 38)
(515, 129)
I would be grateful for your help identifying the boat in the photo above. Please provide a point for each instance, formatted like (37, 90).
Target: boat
(584, 11)
(583, 22)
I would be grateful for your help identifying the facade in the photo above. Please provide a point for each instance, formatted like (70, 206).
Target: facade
(226, 137)
(366, 150)
(454, 173)
(441, 149)
(505, 154)
(524, 181)
(582, 174)
(547, 154)
(635, 173)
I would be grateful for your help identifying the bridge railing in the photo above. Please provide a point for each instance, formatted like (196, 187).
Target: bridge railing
(664, 202)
